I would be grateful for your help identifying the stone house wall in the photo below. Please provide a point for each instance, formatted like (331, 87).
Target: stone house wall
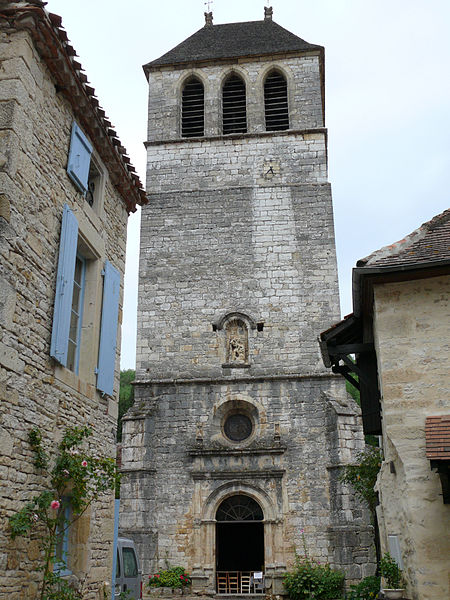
(411, 334)
(35, 131)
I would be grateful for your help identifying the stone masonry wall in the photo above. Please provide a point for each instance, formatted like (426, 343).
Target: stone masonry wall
(266, 251)
(411, 331)
(289, 464)
(35, 129)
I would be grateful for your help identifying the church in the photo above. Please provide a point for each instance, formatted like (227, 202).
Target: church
(233, 449)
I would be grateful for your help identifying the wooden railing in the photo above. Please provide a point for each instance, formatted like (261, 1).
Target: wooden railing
(240, 582)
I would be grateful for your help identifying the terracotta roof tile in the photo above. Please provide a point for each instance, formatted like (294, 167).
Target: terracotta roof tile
(437, 434)
(429, 243)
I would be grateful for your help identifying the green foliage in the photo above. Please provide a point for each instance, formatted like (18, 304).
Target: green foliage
(74, 469)
(311, 579)
(367, 589)
(173, 577)
(59, 589)
(362, 477)
(390, 570)
(371, 440)
(126, 397)
(354, 392)
(40, 456)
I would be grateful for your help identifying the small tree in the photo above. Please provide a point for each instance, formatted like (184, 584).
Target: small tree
(363, 477)
(83, 478)
(126, 397)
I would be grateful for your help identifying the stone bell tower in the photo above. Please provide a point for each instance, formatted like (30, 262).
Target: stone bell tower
(238, 433)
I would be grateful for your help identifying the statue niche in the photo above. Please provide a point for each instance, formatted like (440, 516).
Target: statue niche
(236, 341)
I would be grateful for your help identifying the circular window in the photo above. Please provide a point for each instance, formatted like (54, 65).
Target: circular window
(238, 427)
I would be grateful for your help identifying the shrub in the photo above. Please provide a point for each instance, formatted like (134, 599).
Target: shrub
(367, 589)
(173, 577)
(310, 579)
(390, 570)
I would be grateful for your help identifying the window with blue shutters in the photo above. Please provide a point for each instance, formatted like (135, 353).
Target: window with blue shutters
(79, 158)
(64, 286)
(108, 330)
(72, 294)
(76, 315)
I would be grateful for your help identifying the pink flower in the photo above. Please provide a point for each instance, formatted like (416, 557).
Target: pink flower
(84, 463)
(157, 575)
(55, 505)
(66, 472)
(35, 517)
(302, 531)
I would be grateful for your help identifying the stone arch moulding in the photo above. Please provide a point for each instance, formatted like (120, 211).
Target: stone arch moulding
(197, 73)
(239, 72)
(221, 322)
(232, 488)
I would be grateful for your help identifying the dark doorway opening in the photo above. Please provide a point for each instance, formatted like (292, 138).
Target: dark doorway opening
(239, 535)
(240, 546)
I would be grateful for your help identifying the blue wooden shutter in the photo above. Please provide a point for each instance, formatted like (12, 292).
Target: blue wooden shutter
(79, 158)
(108, 329)
(64, 286)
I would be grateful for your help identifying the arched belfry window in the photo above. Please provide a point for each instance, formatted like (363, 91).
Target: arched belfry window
(193, 108)
(239, 508)
(276, 102)
(234, 105)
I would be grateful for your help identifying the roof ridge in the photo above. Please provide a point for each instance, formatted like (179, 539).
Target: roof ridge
(406, 242)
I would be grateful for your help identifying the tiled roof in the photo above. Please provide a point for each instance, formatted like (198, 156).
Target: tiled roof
(232, 40)
(437, 433)
(53, 45)
(428, 243)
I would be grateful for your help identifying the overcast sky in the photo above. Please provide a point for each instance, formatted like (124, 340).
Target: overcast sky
(387, 104)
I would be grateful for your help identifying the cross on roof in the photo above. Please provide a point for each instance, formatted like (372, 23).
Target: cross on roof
(208, 4)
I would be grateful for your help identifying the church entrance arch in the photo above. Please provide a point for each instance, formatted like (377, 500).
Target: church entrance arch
(239, 536)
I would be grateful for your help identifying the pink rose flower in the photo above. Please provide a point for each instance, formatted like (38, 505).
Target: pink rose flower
(55, 505)
(84, 463)
(35, 517)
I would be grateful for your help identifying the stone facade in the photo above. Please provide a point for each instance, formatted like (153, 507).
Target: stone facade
(237, 276)
(399, 333)
(411, 333)
(35, 134)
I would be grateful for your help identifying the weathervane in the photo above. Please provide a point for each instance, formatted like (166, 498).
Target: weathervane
(208, 4)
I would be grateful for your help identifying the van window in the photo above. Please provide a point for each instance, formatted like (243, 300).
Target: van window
(129, 563)
(117, 565)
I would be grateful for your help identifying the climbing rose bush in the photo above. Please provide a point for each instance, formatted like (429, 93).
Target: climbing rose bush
(78, 477)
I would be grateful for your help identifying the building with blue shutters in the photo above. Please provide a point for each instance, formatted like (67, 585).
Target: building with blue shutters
(66, 190)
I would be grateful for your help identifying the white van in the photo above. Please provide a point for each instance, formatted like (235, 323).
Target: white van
(128, 580)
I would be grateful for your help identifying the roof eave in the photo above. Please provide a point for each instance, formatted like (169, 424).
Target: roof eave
(363, 279)
(52, 45)
(187, 64)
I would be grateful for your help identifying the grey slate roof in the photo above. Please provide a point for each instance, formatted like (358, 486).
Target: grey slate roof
(233, 40)
(429, 243)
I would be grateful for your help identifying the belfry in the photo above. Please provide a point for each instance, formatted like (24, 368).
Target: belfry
(238, 432)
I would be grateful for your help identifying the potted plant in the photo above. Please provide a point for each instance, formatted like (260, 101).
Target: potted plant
(392, 574)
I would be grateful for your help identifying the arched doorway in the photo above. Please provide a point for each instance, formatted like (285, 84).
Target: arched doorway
(239, 536)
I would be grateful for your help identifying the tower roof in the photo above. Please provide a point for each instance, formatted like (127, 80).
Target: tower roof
(233, 40)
